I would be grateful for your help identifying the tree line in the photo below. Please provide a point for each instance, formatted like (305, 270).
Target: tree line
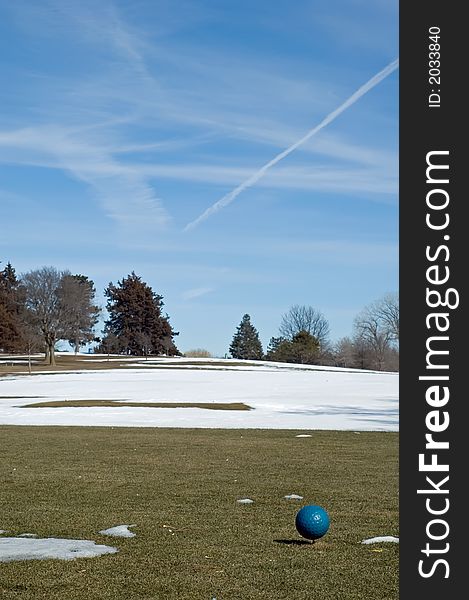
(44, 306)
(304, 338)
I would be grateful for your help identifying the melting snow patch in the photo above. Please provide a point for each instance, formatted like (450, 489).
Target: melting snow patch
(28, 535)
(245, 501)
(383, 538)
(119, 531)
(293, 497)
(304, 435)
(3, 531)
(16, 548)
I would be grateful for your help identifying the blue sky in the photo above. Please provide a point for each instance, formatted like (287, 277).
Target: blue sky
(123, 121)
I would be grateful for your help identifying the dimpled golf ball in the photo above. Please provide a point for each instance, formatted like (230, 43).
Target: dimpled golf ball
(312, 522)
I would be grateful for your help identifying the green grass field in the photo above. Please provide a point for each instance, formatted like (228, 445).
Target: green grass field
(179, 488)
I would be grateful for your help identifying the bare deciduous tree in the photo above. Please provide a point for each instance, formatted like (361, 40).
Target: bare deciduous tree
(31, 339)
(46, 311)
(344, 351)
(59, 306)
(377, 327)
(54, 306)
(387, 310)
(305, 318)
(77, 295)
(110, 345)
(369, 330)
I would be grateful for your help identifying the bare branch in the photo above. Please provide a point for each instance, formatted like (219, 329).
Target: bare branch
(305, 318)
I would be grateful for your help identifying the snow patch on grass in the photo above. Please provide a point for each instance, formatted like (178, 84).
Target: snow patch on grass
(245, 501)
(119, 531)
(293, 497)
(20, 548)
(379, 539)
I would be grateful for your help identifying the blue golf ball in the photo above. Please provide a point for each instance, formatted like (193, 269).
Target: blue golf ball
(312, 522)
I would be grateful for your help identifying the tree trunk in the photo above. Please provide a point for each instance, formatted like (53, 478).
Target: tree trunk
(47, 355)
(76, 342)
(52, 355)
(29, 359)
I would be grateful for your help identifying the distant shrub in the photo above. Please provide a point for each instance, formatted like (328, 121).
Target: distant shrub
(198, 353)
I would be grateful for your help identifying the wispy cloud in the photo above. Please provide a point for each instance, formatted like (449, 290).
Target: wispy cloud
(85, 22)
(103, 173)
(122, 191)
(157, 109)
(148, 97)
(231, 103)
(196, 293)
(254, 178)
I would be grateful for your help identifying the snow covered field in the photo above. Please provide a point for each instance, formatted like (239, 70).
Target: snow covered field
(280, 395)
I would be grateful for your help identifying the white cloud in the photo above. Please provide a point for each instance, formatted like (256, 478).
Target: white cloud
(124, 187)
(260, 173)
(147, 95)
(124, 193)
(196, 293)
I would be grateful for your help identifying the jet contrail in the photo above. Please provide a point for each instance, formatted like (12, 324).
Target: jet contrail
(254, 178)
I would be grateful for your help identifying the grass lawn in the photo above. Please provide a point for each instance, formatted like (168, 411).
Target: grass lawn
(179, 487)
(119, 403)
(16, 365)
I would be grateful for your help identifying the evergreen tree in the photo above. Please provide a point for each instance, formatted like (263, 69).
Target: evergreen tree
(136, 325)
(11, 311)
(304, 349)
(272, 348)
(246, 343)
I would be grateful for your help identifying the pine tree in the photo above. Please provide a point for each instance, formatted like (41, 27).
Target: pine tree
(136, 325)
(246, 343)
(272, 348)
(11, 311)
(302, 349)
